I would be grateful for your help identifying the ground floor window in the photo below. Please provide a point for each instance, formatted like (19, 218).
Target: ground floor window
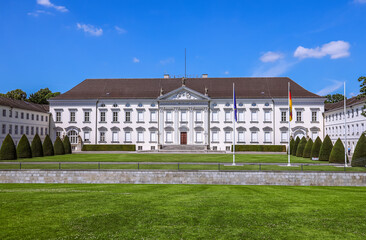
(215, 136)
(227, 136)
(284, 136)
(153, 136)
(199, 137)
(169, 137)
(314, 135)
(58, 134)
(128, 136)
(115, 136)
(254, 137)
(102, 137)
(140, 136)
(86, 136)
(241, 136)
(73, 136)
(267, 137)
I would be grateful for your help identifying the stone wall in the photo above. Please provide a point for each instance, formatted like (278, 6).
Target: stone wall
(184, 177)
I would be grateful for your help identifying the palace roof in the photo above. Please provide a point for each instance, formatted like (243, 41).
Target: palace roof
(4, 101)
(349, 102)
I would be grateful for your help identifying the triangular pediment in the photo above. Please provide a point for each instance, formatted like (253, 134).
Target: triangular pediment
(183, 93)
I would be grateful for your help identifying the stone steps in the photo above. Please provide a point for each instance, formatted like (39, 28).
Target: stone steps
(183, 148)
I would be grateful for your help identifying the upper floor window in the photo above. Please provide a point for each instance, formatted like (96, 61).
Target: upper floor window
(241, 115)
(254, 116)
(4, 112)
(128, 117)
(215, 116)
(227, 116)
(22, 115)
(314, 116)
(153, 117)
(102, 116)
(87, 116)
(115, 116)
(42, 118)
(199, 116)
(10, 129)
(10, 113)
(283, 116)
(16, 114)
(16, 129)
(267, 115)
(37, 117)
(58, 116)
(140, 116)
(33, 116)
(298, 116)
(183, 116)
(72, 116)
(3, 131)
(28, 116)
(169, 116)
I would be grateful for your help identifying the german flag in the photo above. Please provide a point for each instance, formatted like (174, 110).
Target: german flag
(290, 103)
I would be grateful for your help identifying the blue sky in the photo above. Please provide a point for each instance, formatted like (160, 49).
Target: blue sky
(59, 43)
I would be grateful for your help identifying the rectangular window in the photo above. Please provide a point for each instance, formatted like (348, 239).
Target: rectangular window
(16, 114)
(102, 136)
(199, 116)
(284, 136)
(314, 135)
(227, 116)
(128, 136)
(22, 130)
(72, 116)
(37, 117)
(42, 118)
(254, 137)
(46, 131)
(41, 131)
(169, 116)
(267, 137)
(267, 115)
(153, 116)
(10, 113)
(10, 129)
(215, 116)
(46, 118)
(241, 136)
(37, 130)
(86, 116)
(4, 113)
(140, 136)
(3, 131)
(115, 116)
(169, 137)
(199, 137)
(33, 116)
(128, 117)
(227, 136)
(86, 136)
(183, 116)
(283, 116)
(58, 116)
(215, 136)
(254, 116)
(16, 129)
(28, 116)
(298, 116)
(152, 136)
(314, 116)
(32, 130)
(58, 134)
(140, 116)
(241, 115)
(22, 115)
(27, 130)
(102, 116)
(115, 137)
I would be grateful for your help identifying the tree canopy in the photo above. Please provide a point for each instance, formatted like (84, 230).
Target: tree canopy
(17, 94)
(333, 98)
(40, 97)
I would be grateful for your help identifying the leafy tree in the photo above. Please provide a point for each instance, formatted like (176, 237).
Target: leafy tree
(333, 98)
(325, 149)
(67, 145)
(7, 150)
(362, 94)
(337, 154)
(59, 147)
(24, 149)
(42, 96)
(37, 149)
(16, 94)
(296, 144)
(359, 156)
(48, 147)
(301, 147)
(307, 150)
(316, 148)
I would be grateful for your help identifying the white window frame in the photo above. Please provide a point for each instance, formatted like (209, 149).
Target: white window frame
(183, 116)
(284, 116)
(241, 136)
(267, 115)
(199, 116)
(241, 116)
(128, 116)
(215, 136)
(140, 136)
(215, 116)
(86, 136)
(199, 138)
(72, 116)
(153, 136)
(58, 116)
(128, 136)
(169, 137)
(102, 116)
(267, 137)
(115, 116)
(140, 116)
(153, 116)
(228, 136)
(115, 136)
(169, 116)
(284, 136)
(102, 136)
(254, 116)
(87, 116)
(254, 137)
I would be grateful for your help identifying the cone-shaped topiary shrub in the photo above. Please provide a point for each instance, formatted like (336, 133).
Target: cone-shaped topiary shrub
(67, 145)
(59, 147)
(37, 149)
(325, 149)
(47, 147)
(24, 149)
(8, 151)
(296, 144)
(292, 142)
(307, 149)
(337, 154)
(316, 148)
(359, 155)
(301, 147)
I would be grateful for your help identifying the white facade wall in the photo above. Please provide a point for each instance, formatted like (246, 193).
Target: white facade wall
(16, 122)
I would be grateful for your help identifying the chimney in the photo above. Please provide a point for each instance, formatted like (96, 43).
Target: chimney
(166, 76)
(205, 75)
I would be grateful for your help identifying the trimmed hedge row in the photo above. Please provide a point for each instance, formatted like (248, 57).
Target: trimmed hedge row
(106, 147)
(260, 148)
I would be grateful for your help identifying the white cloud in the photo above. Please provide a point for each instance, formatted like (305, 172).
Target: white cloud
(38, 12)
(120, 30)
(335, 49)
(271, 56)
(226, 72)
(331, 88)
(167, 61)
(275, 70)
(47, 3)
(135, 60)
(90, 29)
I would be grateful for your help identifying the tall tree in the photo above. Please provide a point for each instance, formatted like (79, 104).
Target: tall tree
(17, 94)
(42, 96)
(333, 98)
(362, 94)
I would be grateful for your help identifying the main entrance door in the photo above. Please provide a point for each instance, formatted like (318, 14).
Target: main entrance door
(183, 138)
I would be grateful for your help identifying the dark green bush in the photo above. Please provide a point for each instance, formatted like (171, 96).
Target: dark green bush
(359, 155)
(307, 150)
(297, 141)
(301, 147)
(105, 147)
(48, 147)
(260, 148)
(37, 149)
(325, 149)
(8, 151)
(292, 142)
(59, 147)
(337, 154)
(316, 148)
(24, 149)
(67, 145)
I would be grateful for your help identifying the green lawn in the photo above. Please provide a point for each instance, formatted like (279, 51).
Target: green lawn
(50, 211)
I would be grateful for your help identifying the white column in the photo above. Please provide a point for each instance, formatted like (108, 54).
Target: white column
(161, 126)
(191, 127)
(206, 130)
(176, 125)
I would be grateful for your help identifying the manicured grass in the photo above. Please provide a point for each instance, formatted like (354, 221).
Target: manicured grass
(49, 211)
(223, 158)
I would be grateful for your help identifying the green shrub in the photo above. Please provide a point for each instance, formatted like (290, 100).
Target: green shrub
(297, 141)
(325, 149)
(316, 148)
(48, 147)
(37, 149)
(337, 154)
(24, 149)
(292, 142)
(359, 155)
(260, 148)
(8, 151)
(67, 145)
(307, 150)
(59, 147)
(301, 147)
(105, 147)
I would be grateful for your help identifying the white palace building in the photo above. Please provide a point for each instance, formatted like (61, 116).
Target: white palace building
(168, 113)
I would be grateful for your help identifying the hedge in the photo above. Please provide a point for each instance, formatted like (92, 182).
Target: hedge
(67, 145)
(260, 148)
(37, 148)
(8, 151)
(48, 147)
(297, 141)
(337, 154)
(106, 147)
(59, 147)
(301, 147)
(359, 155)
(24, 149)
(325, 149)
(316, 148)
(307, 150)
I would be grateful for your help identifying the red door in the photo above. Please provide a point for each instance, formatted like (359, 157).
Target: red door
(183, 138)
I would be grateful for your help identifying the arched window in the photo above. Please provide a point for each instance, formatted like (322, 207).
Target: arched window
(73, 136)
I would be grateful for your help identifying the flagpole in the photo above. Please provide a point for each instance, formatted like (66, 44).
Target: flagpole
(234, 113)
(345, 125)
(289, 128)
